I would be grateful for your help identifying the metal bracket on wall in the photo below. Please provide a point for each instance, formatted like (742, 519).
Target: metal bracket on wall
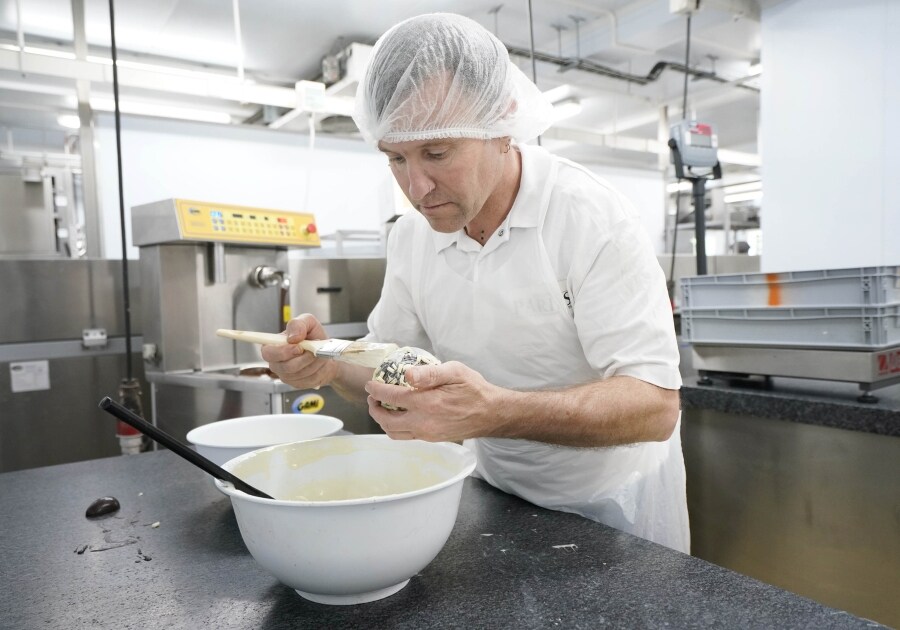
(93, 338)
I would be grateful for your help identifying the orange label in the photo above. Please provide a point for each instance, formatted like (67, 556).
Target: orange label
(774, 289)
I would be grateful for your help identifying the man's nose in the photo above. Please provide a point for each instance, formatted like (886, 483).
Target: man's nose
(420, 183)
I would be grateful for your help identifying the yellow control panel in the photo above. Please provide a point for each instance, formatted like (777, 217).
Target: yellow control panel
(202, 221)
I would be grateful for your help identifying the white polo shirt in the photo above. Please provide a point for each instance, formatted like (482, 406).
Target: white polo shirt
(600, 255)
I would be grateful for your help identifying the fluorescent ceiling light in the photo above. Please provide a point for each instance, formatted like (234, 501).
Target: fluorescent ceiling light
(566, 109)
(69, 121)
(163, 111)
(46, 52)
(123, 63)
(747, 196)
(739, 157)
(152, 67)
(676, 186)
(37, 88)
(740, 188)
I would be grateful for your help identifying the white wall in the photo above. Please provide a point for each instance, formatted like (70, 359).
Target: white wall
(349, 184)
(830, 135)
(647, 191)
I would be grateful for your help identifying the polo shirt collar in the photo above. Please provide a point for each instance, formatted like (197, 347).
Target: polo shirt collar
(524, 212)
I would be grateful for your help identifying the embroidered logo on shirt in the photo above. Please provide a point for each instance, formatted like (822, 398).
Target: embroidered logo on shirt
(567, 296)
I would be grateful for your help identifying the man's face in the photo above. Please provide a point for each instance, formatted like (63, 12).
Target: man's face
(448, 180)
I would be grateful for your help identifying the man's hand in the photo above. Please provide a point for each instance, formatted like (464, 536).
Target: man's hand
(295, 366)
(450, 402)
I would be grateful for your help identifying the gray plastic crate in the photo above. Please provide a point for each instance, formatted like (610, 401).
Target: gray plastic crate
(858, 286)
(863, 327)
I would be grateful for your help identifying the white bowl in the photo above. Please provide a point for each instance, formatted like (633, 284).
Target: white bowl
(226, 439)
(354, 517)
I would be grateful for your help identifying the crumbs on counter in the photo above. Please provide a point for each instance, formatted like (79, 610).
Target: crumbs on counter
(112, 544)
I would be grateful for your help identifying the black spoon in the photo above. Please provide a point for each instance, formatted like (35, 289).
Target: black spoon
(126, 415)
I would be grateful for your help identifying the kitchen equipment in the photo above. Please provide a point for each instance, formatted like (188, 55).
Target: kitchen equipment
(870, 369)
(694, 145)
(134, 420)
(365, 353)
(52, 363)
(367, 514)
(205, 266)
(226, 439)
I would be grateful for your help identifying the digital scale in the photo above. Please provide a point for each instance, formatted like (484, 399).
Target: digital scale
(870, 369)
(694, 147)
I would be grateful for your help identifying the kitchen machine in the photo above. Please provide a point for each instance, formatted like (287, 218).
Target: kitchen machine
(205, 266)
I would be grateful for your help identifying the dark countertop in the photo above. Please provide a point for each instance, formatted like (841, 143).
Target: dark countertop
(506, 564)
(823, 403)
(809, 401)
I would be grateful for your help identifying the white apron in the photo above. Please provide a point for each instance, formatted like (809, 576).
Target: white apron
(513, 326)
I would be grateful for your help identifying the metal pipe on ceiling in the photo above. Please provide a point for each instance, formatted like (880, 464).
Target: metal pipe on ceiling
(586, 65)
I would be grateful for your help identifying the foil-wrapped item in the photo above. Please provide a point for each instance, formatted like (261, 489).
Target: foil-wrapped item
(393, 369)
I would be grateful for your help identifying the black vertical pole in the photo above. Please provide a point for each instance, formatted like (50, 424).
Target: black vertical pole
(699, 192)
(125, 287)
(130, 388)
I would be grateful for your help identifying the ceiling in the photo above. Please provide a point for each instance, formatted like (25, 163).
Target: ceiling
(604, 50)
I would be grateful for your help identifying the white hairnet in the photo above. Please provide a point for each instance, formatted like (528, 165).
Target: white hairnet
(443, 75)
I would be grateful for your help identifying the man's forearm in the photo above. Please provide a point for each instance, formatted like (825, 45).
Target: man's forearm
(619, 410)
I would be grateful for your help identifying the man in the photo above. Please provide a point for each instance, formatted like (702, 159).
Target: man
(529, 277)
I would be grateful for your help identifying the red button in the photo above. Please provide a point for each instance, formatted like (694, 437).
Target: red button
(311, 228)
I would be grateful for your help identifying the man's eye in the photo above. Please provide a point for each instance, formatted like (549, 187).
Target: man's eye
(437, 156)
(395, 160)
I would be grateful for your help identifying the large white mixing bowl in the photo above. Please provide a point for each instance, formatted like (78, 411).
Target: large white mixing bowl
(354, 517)
(226, 439)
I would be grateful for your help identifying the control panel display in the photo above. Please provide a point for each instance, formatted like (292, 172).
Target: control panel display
(237, 224)
(697, 143)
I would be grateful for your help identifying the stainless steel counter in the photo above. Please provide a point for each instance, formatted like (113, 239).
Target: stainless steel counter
(796, 483)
